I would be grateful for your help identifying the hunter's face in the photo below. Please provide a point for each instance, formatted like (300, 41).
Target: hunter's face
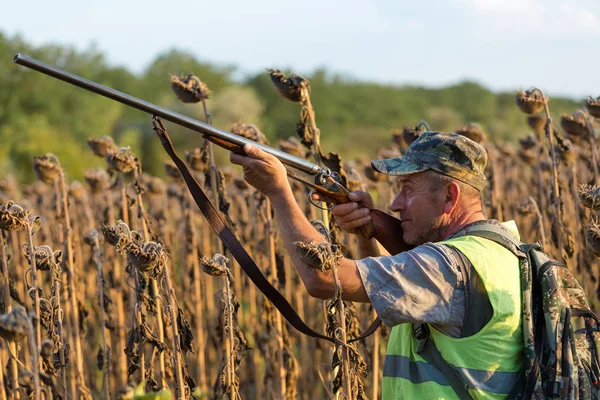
(421, 208)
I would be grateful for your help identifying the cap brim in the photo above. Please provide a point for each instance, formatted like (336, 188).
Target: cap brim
(396, 166)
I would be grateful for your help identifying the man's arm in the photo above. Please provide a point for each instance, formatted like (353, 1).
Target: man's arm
(268, 175)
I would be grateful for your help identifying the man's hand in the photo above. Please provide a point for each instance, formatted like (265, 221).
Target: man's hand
(262, 170)
(354, 214)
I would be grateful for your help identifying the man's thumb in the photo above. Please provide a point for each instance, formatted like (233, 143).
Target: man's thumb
(251, 151)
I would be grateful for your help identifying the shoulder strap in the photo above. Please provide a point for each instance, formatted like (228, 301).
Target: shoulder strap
(496, 233)
(237, 250)
(426, 349)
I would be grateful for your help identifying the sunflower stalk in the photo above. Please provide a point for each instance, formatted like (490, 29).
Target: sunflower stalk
(36, 328)
(95, 244)
(227, 382)
(556, 199)
(117, 296)
(218, 245)
(12, 346)
(277, 332)
(340, 333)
(172, 313)
(153, 283)
(197, 294)
(2, 386)
(309, 109)
(82, 389)
(325, 257)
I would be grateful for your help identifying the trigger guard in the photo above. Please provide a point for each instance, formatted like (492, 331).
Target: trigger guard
(328, 208)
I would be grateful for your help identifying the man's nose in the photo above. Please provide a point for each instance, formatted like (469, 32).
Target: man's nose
(399, 203)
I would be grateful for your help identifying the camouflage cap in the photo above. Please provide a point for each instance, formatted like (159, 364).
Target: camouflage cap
(450, 154)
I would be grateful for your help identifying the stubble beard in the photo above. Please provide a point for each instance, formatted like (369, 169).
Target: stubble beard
(431, 233)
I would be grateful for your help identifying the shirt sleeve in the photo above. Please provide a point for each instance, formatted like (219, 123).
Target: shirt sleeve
(423, 285)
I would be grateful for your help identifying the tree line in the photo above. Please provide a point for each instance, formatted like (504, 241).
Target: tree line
(39, 114)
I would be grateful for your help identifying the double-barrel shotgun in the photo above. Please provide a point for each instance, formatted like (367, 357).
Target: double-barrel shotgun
(383, 227)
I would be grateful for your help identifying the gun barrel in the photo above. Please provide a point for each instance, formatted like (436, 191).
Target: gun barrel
(161, 112)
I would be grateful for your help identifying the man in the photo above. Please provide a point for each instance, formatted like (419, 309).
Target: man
(463, 290)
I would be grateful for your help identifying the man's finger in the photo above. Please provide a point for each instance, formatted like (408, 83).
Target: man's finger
(343, 209)
(255, 152)
(353, 216)
(357, 223)
(238, 159)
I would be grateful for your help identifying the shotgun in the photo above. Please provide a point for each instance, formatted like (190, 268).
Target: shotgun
(383, 227)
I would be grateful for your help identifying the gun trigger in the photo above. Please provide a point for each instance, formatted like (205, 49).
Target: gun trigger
(328, 208)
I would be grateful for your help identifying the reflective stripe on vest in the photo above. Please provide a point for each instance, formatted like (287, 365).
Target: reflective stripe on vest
(490, 361)
(489, 381)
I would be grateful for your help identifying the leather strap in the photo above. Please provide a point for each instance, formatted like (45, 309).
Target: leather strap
(239, 253)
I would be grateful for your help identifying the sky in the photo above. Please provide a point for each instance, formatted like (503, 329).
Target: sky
(502, 44)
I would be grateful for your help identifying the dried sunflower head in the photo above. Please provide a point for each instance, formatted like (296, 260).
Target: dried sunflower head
(155, 186)
(76, 190)
(473, 131)
(353, 179)
(593, 106)
(240, 183)
(567, 151)
(292, 146)
(216, 266)
(8, 185)
(97, 179)
(174, 191)
(322, 256)
(14, 325)
(575, 125)
(197, 160)
(91, 238)
(119, 235)
(305, 133)
(13, 217)
(506, 149)
(592, 236)
(172, 170)
(147, 257)
(526, 207)
(189, 89)
(530, 101)
(122, 160)
(373, 175)
(47, 168)
(590, 196)
(383, 153)
(398, 139)
(294, 87)
(249, 131)
(536, 122)
(47, 349)
(102, 146)
(529, 156)
(410, 134)
(529, 142)
(45, 258)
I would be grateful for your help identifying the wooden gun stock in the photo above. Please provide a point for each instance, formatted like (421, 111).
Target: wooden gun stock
(389, 232)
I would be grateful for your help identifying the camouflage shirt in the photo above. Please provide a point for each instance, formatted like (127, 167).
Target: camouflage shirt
(423, 285)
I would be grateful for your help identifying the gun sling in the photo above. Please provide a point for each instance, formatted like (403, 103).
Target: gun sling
(240, 254)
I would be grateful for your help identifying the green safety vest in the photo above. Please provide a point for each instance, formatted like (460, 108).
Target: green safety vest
(490, 361)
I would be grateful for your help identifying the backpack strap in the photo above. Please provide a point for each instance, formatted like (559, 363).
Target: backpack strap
(494, 231)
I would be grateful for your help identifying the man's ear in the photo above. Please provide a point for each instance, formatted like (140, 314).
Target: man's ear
(452, 193)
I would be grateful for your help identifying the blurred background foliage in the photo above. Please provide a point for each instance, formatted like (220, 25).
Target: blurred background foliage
(39, 114)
